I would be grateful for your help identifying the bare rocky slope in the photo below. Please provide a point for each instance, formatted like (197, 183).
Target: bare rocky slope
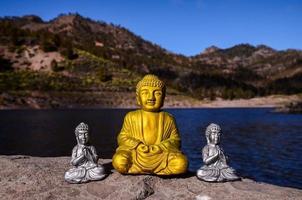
(23, 177)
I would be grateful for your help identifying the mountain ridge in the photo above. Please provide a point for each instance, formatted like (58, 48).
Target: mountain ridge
(104, 56)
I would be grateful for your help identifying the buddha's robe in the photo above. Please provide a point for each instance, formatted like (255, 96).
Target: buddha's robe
(129, 159)
(217, 170)
(86, 170)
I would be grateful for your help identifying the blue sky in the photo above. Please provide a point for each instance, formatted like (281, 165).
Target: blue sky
(184, 26)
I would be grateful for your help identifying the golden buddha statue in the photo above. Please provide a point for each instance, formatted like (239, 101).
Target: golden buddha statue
(149, 142)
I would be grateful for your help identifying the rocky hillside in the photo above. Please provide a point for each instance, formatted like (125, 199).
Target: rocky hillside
(73, 53)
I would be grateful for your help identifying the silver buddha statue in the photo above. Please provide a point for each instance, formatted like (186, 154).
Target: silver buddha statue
(84, 159)
(215, 167)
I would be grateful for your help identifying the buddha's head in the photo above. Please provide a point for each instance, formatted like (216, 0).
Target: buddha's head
(213, 134)
(82, 133)
(150, 93)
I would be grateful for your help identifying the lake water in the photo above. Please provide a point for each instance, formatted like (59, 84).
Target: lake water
(260, 144)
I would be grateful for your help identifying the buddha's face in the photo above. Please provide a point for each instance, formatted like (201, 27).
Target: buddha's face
(83, 137)
(150, 98)
(214, 136)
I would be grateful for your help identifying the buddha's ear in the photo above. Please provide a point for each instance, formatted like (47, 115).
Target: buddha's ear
(138, 100)
(163, 99)
(77, 138)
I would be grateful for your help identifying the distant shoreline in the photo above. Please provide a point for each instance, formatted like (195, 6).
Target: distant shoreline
(126, 100)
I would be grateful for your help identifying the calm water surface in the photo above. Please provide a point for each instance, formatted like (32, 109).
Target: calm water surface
(260, 144)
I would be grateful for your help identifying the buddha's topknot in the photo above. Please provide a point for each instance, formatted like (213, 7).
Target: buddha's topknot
(211, 127)
(150, 80)
(81, 127)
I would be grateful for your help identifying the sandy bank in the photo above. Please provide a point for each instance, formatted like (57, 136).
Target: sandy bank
(23, 177)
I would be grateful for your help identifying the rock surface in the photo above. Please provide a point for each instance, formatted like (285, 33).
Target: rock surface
(292, 107)
(24, 177)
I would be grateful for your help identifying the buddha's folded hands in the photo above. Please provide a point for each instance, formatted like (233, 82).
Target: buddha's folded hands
(155, 149)
(143, 148)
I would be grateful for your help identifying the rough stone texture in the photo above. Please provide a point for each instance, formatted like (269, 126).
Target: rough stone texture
(23, 177)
